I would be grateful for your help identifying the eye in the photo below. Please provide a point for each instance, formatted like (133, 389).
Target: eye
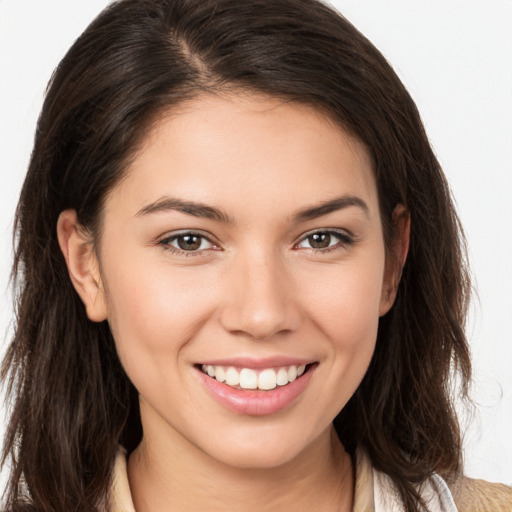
(187, 242)
(325, 240)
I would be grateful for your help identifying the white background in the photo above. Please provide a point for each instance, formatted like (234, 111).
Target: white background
(456, 59)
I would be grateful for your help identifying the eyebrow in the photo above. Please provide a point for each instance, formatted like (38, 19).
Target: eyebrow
(198, 209)
(330, 206)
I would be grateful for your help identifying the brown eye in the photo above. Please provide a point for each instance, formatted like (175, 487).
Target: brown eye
(189, 242)
(320, 240)
(325, 240)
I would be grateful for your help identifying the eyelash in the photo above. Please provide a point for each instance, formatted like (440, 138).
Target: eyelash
(344, 240)
(165, 243)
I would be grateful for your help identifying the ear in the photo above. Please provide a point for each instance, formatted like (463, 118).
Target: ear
(395, 257)
(82, 263)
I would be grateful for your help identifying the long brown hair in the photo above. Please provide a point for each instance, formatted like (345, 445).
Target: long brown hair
(72, 402)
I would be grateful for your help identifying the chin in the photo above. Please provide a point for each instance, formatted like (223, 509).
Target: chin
(255, 459)
(259, 451)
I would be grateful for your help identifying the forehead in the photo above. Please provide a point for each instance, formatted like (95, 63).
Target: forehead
(234, 148)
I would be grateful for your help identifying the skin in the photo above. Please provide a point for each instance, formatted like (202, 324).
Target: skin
(255, 288)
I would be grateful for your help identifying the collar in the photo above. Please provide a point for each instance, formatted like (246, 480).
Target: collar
(120, 495)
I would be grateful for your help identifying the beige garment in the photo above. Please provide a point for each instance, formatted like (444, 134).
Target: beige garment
(120, 495)
(469, 495)
(472, 495)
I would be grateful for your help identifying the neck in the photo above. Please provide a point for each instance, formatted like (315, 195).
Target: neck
(168, 477)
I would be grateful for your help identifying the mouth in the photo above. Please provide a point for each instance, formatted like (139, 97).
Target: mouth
(264, 379)
(256, 388)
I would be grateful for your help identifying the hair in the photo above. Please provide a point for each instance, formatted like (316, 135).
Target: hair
(72, 401)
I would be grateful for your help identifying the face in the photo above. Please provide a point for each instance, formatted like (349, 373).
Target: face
(243, 270)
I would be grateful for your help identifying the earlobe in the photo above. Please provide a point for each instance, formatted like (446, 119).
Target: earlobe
(82, 263)
(395, 259)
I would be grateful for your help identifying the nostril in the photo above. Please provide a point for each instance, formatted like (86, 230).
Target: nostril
(260, 324)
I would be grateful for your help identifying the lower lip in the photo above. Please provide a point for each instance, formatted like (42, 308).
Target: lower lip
(256, 402)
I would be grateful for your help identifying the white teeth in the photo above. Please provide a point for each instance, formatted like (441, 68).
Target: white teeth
(220, 374)
(247, 378)
(232, 377)
(267, 379)
(282, 377)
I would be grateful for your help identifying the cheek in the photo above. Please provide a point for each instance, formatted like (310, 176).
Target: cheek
(153, 312)
(345, 305)
(342, 309)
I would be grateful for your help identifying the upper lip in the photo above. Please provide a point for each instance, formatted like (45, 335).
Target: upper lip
(258, 363)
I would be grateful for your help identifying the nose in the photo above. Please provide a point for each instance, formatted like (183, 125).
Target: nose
(261, 302)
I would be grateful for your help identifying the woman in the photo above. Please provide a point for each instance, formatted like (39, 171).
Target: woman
(234, 235)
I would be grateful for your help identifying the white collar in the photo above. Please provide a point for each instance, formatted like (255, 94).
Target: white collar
(434, 491)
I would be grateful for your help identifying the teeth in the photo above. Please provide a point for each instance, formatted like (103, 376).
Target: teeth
(267, 379)
(282, 377)
(232, 377)
(247, 378)
(219, 374)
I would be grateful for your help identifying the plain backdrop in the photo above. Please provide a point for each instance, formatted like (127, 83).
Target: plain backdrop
(455, 57)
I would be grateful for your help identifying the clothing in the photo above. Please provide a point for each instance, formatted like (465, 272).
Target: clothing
(374, 492)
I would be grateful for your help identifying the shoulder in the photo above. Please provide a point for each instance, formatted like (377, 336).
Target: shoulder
(376, 491)
(473, 495)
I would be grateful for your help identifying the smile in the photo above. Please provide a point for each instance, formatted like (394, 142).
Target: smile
(256, 388)
(246, 378)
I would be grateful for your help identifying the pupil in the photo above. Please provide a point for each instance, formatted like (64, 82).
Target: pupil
(320, 240)
(189, 242)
